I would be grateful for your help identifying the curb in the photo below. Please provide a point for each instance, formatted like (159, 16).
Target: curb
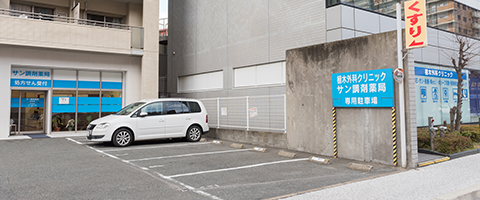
(472, 192)
(465, 153)
(429, 162)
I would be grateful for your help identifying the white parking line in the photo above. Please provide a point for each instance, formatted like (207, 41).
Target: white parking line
(155, 166)
(148, 171)
(186, 155)
(236, 168)
(155, 147)
(72, 140)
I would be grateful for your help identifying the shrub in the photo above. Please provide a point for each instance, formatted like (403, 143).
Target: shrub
(475, 137)
(452, 143)
(423, 140)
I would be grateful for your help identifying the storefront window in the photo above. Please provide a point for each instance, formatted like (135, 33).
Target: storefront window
(63, 110)
(88, 108)
(78, 98)
(474, 77)
(111, 102)
(436, 94)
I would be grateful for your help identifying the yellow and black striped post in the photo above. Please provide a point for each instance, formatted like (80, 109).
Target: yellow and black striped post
(394, 137)
(334, 115)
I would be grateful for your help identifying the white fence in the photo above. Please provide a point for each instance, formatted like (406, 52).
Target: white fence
(257, 113)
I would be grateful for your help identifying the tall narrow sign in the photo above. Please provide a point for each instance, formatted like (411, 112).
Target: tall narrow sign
(415, 24)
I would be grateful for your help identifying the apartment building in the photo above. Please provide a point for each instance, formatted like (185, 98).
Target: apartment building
(454, 16)
(65, 63)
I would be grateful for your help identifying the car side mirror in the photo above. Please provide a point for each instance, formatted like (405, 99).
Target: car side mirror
(143, 114)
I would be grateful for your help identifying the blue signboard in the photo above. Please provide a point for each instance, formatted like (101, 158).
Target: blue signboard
(445, 95)
(423, 94)
(23, 77)
(437, 73)
(435, 94)
(372, 88)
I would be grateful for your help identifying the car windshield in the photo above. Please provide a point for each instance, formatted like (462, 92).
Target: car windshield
(130, 108)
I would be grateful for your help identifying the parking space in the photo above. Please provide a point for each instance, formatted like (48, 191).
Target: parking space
(222, 172)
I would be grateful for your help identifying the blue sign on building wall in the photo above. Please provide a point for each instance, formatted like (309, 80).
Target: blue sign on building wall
(372, 88)
(21, 77)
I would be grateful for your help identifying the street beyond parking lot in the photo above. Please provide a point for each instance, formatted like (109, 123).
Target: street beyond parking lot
(73, 168)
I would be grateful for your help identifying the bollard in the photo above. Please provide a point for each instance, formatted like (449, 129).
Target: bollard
(443, 130)
(431, 132)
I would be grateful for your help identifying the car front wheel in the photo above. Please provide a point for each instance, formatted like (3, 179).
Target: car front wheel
(194, 133)
(122, 137)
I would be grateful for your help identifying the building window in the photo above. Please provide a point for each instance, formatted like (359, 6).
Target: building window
(459, 18)
(205, 81)
(88, 107)
(464, 7)
(102, 18)
(464, 19)
(111, 102)
(63, 110)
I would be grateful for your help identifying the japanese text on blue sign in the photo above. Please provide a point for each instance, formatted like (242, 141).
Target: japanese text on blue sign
(23, 77)
(30, 73)
(372, 88)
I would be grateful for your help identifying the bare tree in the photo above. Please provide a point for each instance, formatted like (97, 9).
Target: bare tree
(467, 49)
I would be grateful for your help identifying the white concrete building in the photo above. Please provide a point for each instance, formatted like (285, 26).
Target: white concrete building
(64, 63)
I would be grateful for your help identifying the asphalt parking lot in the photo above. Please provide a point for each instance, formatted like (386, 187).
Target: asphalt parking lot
(162, 169)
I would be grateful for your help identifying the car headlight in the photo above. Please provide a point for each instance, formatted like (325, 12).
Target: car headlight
(103, 125)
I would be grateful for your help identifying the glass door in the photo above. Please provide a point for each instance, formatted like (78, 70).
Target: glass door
(27, 111)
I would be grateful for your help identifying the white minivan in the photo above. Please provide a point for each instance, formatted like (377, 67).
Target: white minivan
(152, 119)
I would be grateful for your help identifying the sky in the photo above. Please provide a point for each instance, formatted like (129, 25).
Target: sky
(163, 9)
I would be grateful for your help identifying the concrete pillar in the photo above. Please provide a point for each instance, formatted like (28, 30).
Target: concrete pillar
(149, 77)
(134, 14)
(5, 4)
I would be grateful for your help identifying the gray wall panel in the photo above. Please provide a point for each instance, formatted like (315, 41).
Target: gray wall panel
(212, 50)
(247, 32)
(348, 17)
(430, 54)
(221, 35)
(183, 14)
(432, 36)
(334, 17)
(369, 21)
(302, 24)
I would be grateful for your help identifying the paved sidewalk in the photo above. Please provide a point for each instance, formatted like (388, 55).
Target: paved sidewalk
(423, 183)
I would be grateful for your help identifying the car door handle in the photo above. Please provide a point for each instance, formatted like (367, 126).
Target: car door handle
(162, 120)
(188, 118)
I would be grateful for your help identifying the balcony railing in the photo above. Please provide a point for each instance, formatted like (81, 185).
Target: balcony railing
(136, 31)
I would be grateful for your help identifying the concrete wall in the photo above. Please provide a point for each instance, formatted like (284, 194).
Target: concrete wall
(277, 140)
(362, 133)
(61, 59)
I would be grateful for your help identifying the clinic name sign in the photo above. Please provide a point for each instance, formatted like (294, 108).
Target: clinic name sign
(372, 88)
(24, 77)
(420, 71)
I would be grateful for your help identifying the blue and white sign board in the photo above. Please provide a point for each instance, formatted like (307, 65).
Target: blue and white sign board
(372, 88)
(436, 93)
(25, 77)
